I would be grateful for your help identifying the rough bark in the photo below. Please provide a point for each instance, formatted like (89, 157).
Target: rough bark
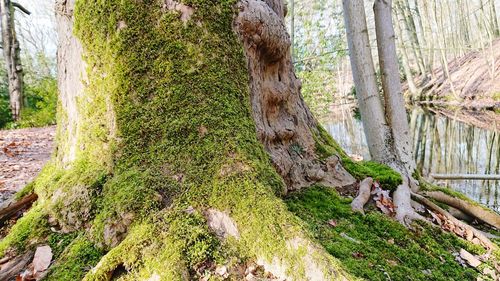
(11, 53)
(203, 131)
(71, 79)
(284, 123)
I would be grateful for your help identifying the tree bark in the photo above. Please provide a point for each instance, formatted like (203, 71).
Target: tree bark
(376, 129)
(11, 52)
(184, 119)
(395, 109)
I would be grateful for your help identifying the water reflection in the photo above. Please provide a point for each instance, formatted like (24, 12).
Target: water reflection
(441, 145)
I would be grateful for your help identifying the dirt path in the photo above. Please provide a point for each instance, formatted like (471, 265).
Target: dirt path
(22, 154)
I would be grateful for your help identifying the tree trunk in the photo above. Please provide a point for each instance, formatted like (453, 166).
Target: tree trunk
(377, 131)
(406, 63)
(11, 53)
(395, 109)
(180, 126)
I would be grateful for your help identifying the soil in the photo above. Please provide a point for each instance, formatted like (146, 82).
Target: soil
(23, 153)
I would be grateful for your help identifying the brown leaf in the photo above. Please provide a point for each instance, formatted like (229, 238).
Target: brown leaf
(332, 223)
(358, 255)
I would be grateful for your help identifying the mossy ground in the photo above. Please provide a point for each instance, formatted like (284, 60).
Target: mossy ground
(382, 249)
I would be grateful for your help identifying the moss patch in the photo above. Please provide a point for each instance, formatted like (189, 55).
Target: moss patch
(374, 246)
(33, 226)
(327, 146)
(79, 257)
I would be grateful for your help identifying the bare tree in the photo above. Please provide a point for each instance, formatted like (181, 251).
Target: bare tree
(11, 52)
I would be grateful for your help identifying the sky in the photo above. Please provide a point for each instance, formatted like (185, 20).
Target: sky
(37, 32)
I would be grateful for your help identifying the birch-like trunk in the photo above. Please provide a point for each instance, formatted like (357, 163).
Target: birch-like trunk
(377, 131)
(395, 110)
(11, 53)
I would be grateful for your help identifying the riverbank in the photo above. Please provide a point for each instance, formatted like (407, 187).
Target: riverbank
(470, 82)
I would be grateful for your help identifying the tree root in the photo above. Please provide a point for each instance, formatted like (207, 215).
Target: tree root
(12, 268)
(363, 195)
(11, 207)
(468, 208)
(405, 213)
(468, 229)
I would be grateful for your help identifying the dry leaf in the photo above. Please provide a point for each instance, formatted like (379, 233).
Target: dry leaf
(332, 223)
(383, 200)
(469, 258)
(42, 259)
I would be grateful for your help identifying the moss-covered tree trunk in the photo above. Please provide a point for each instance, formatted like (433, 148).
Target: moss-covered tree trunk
(181, 124)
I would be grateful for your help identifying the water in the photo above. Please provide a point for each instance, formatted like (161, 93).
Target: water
(441, 145)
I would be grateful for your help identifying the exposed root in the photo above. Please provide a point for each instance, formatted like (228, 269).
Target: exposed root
(405, 213)
(13, 206)
(468, 229)
(363, 195)
(11, 269)
(476, 211)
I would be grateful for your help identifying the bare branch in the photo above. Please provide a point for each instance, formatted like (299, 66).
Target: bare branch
(20, 7)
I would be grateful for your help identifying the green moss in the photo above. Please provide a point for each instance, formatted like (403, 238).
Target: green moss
(168, 245)
(79, 257)
(31, 227)
(326, 146)
(27, 189)
(166, 122)
(376, 247)
(59, 241)
(387, 177)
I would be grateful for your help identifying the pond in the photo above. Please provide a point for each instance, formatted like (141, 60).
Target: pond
(441, 145)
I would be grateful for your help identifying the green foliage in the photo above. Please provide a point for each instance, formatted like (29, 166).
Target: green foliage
(318, 90)
(376, 247)
(5, 114)
(40, 105)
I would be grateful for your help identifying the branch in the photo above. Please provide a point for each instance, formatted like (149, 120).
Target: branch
(485, 241)
(20, 7)
(474, 210)
(365, 188)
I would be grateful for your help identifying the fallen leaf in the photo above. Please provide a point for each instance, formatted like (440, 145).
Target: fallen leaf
(358, 255)
(469, 258)
(42, 259)
(383, 200)
(332, 223)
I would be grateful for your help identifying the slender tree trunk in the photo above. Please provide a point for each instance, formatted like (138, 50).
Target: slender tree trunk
(494, 19)
(395, 110)
(377, 131)
(11, 52)
(406, 63)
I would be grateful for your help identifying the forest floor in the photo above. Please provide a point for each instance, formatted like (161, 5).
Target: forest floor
(23, 153)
